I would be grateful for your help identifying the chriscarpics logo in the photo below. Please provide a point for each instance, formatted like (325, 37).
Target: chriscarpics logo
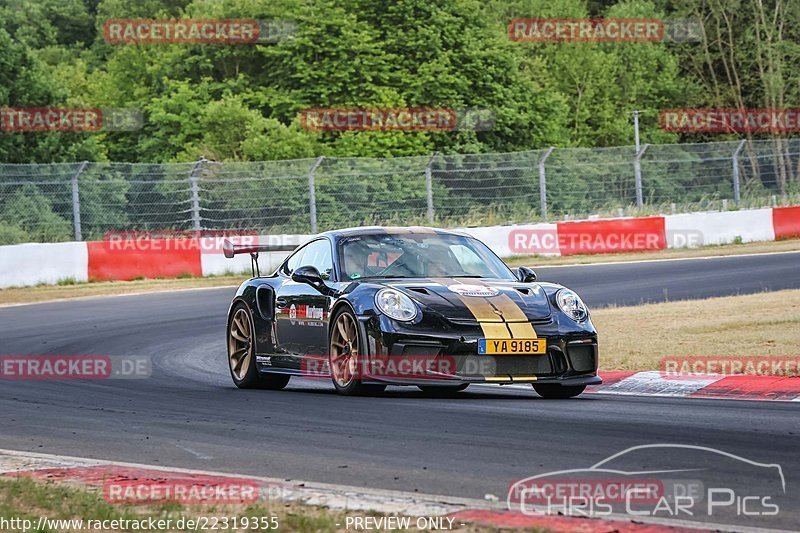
(653, 481)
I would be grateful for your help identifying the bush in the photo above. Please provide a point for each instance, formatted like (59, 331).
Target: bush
(32, 212)
(12, 234)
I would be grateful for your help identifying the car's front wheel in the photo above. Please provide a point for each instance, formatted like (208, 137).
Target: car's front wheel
(346, 356)
(241, 358)
(556, 391)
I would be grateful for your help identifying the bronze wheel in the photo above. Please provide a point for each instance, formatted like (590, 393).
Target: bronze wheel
(346, 356)
(240, 347)
(344, 350)
(241, 354)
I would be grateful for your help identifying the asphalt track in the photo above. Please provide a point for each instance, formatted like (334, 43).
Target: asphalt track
(188, 414)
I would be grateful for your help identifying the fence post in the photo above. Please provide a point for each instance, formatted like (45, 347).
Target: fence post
(637, 171)
(737, 195)
(543, 183)
(76, 202)
(429, 186)
(196, 193)
(312, 194)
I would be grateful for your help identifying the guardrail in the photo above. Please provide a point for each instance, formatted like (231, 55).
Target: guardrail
(120, 259)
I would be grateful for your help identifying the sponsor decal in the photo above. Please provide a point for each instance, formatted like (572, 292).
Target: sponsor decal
(306, 315)
(474, 290)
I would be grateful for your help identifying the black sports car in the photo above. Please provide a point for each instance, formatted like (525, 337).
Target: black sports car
(372, 306)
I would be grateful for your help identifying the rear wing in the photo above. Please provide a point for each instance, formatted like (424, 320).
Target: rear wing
(230, 250)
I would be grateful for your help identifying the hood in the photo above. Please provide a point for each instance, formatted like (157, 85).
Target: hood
(476, 300)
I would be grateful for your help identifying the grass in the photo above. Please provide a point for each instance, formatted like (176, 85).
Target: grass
(26, 498)
(636, 338)
(73, 289)
(792, 245)
(29, 499)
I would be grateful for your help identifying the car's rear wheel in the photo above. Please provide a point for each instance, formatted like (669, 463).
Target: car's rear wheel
(556, 391)
(443, 389)
(346, 356)
(241, 354)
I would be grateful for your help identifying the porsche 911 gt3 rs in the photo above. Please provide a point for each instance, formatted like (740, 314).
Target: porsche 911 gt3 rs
(373, 306)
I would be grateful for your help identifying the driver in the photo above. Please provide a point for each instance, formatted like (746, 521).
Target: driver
(439, 263)
(354, 259)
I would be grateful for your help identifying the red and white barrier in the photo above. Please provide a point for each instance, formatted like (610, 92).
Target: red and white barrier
(121, 259)
(640, 234)
(786, 222)
(153, 258)
(32, 264)
(698, 229)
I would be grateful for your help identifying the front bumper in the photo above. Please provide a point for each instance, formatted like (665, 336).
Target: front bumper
(450, 356)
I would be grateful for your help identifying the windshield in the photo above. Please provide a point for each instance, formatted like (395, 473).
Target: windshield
(419, 256)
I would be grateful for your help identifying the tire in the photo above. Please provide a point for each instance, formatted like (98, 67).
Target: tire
(241, 359)
(344, 356)
(442, 389)
(558, 392)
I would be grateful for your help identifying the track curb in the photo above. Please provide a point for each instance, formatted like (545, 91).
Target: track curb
(95, 473)
(716, 386)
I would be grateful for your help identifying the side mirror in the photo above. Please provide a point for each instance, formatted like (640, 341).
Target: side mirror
(526, 275)
(311, 276)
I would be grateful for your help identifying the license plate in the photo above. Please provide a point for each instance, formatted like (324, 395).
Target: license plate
(511, 346)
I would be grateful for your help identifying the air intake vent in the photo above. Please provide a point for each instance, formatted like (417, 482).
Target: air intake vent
(524, 290)
(421, 290)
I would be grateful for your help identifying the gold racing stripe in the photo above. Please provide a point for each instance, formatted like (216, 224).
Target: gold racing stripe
(516, 319)
(509, 378)
(495, 330)
(491, 323)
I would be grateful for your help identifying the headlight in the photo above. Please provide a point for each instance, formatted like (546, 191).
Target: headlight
(395, 304)
(572, 305)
